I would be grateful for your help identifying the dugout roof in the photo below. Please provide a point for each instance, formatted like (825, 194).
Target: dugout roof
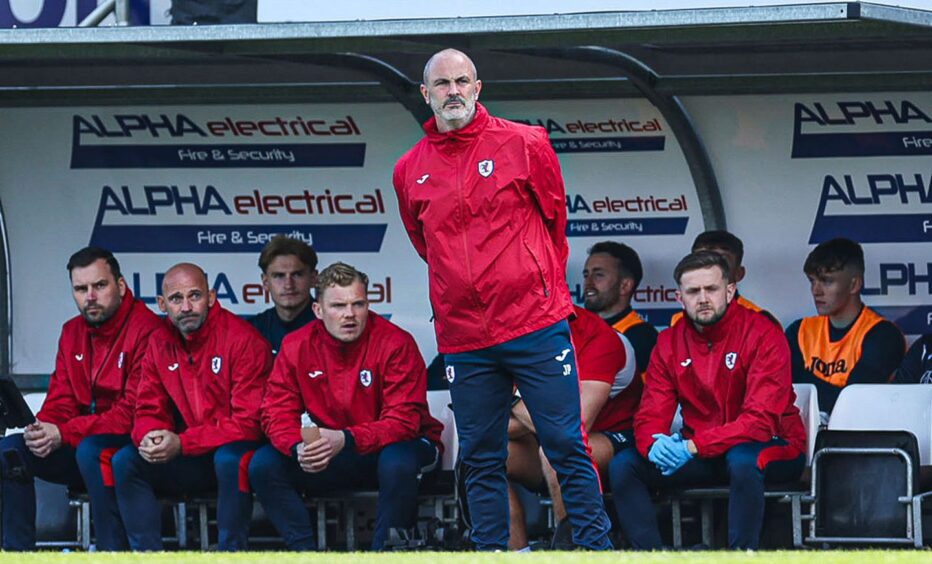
(845, 46)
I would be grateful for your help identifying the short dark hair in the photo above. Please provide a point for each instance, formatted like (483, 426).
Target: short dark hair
(720, 239)
(280, 245)
(701, 259)
(340, 274)
(835, 254)
(88, 255)
(629, 263)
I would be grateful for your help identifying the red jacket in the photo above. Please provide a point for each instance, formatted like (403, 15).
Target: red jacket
(733, 381)
(374, 387)
(208, 387)
(485, 207)
(601, 356)
(99, 367)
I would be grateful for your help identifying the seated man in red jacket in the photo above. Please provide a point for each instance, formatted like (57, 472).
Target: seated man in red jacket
(362, 381)
(197, 413)
(729, 368)
(88, 411)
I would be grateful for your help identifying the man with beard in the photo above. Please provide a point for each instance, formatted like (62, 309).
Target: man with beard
(612, 273)
(197, 413)
(483, 201)
(848, 342)
(88, 412)
(732, 248)
(289, 271)
(729, 368)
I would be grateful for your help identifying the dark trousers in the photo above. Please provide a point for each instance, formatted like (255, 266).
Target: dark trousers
(745, 468)
(224, 471)
(83, 468)
(543, 365)
(395, 471)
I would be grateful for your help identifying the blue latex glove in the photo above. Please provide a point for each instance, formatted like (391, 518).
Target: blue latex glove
(663, 452)
(681, 456)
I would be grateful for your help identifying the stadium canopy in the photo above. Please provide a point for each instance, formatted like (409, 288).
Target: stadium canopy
(660, 55)
(827, 47)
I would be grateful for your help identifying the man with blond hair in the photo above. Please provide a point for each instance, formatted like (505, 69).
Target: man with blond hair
(360, 381)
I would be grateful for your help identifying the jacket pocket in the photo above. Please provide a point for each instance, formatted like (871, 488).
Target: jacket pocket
(540, 268)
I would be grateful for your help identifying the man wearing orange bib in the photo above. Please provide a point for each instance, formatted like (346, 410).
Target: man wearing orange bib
(612, 273)
(847, 343)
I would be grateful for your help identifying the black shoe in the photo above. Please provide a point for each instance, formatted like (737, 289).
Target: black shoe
(563, 536)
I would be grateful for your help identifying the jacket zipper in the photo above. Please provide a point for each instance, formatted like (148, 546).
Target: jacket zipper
(462, 209)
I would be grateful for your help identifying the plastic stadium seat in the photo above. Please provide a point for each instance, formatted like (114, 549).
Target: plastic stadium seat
(438, 402)
(866, 468)
(887, 407)
(807, 400)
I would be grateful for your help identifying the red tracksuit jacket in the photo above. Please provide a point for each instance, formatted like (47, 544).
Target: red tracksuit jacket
(99, 367)
(208, 387)
(374, 387)
(485, 207)
(733, 380)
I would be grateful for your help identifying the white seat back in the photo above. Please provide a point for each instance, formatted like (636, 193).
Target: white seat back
(34, 400)
(438, 401)
(807, 400)
(887, 407)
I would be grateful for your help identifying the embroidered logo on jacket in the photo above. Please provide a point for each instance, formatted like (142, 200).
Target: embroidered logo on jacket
(315, 374)
(173, 367)
(79, 357)
(730, 359)
(215, 363)
(686, 362)
(422, 179)
(486, 168)
(365, 378)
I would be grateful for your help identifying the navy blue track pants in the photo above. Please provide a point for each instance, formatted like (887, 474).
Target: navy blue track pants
(86, 467)
(543, 365)
(745, 468)
(395, 472)
(223, 471)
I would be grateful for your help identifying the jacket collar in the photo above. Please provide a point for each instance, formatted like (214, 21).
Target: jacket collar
(462, 135)
(720, 330)
(111, 327)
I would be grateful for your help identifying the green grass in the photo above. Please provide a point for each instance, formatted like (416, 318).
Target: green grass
(775, 557)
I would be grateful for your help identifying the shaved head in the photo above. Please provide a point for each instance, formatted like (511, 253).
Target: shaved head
(451, 89)
(186, 270)
(185, 297)
(449, 54)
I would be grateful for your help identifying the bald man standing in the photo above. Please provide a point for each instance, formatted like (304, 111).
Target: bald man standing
(197, 413)
(483, 202)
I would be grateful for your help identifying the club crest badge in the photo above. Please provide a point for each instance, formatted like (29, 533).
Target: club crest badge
(365, 378)
(215, 364)
(730, 360)
(451, 374)
(486, 168)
